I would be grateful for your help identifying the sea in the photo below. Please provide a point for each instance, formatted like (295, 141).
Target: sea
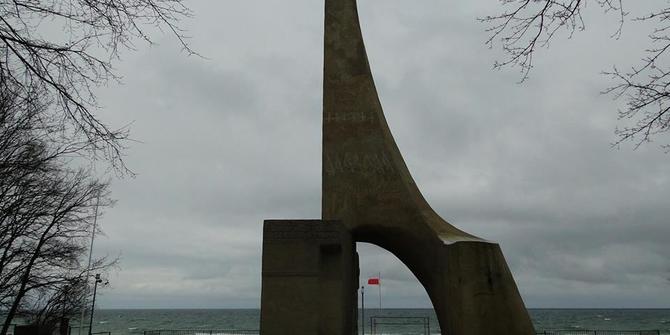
(224, 321)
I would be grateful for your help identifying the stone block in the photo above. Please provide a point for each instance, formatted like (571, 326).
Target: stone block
(309, 278)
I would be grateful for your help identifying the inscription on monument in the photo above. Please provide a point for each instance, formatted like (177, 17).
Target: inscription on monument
(360, 116)
(300, 231)
(354, 162)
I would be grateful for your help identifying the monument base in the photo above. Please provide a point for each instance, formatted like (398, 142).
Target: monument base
(477, 293)
(309, 279)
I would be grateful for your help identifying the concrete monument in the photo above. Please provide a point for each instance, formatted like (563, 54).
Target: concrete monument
(368, 188)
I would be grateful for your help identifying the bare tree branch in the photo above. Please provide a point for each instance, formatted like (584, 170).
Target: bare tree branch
(533, 23)
(69, 70)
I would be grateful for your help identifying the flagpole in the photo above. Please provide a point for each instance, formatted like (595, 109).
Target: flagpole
(88, 268)
(380, 291)
(363, 309)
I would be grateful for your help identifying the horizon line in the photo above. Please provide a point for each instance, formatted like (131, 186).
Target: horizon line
(258, 308)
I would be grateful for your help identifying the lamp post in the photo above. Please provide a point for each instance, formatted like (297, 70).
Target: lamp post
(95, 289)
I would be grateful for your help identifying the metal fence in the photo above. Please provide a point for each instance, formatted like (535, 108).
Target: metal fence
(379, 325)
(598, 332)
(408, 325)
(74, 330)
(12, 328)
(201, 332)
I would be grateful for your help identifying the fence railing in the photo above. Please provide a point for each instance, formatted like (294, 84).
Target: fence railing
(421, 324)
(598, 332)
(201, 332)
(414, 325)
(74, 330)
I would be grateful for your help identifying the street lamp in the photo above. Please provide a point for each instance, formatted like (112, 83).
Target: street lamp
(95, 290)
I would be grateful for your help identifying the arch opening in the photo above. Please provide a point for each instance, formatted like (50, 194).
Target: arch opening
(399, 295)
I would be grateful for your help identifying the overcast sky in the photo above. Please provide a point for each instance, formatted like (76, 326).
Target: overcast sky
(229, 140)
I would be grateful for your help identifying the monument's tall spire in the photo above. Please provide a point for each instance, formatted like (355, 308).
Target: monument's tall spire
(367, 186)
(363, 170)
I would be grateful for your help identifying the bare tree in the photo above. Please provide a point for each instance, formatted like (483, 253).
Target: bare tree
(56, 305)
(46, 207)
(68, 67)
(53, 55)
(531, 24)
(61, 299)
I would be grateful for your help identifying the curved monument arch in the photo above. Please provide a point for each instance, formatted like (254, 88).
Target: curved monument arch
(367, 186)
(310, 270)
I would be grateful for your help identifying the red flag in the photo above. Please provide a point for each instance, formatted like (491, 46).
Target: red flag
(373, 281)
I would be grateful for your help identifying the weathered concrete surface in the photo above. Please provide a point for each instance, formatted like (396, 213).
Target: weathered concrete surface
(367, 186)
(309, 278)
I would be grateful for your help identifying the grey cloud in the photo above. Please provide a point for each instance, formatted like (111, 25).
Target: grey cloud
(234, 138)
